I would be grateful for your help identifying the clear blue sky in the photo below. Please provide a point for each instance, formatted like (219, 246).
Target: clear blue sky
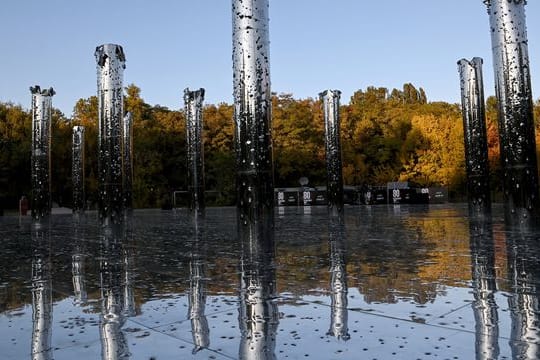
(315, 45)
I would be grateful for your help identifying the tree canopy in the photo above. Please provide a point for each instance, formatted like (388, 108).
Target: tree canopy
(386, 135)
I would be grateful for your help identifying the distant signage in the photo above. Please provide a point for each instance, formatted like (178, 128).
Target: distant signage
(438, 195)
(281, 198)
(306, 197)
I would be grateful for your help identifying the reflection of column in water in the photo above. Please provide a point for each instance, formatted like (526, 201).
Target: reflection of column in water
(78, 263)
(113, 342)
(129, 268)
(252, 108)
(195, 148)
(484, 287)
(475, 135)
(110, 74)
(79, 286)
(258, 312)
(41, 151)
(197, 293)
(515, 107)
(334, 177)
(338, 279)
(77, 169)
(524, 269)
(127, 143)
(42, 304)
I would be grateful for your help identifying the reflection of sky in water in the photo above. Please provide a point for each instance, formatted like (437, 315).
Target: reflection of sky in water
(408, 282)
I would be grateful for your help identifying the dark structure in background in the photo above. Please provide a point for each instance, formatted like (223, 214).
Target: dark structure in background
(475, 135)
(110, 60)
(195, 149)
(516, 124)
(41, 151)
(334, 166)
(77, 169)
(394, 193)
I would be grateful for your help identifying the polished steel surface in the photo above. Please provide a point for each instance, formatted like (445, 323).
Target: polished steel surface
(334, 166)
(77, 169)
(42, 287)
(252, 109)
(258, 310)
(195, 148)
(473, 110)
(200, 331)
(110, 60)
(339, 325)
(127, 144)
(484, 286)
(41, 151)
(515, 107)
(114, 344)
(524, 304)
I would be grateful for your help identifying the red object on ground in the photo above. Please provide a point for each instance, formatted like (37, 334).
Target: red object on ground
(23, 205)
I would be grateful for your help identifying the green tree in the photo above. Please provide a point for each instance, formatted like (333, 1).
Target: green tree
(15, 151)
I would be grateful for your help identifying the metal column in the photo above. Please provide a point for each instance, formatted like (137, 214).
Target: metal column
(252, 110)
(475, 135)
(516, 125)
(110, 72)
(128, 161)
(334, 177)
(41, 151)
(195, 148)
(77, 169)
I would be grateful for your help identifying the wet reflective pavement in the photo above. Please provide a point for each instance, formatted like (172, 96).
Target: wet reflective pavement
(406, 282)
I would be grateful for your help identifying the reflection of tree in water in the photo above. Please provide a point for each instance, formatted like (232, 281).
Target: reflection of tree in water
(524, 272)
(407, 253)
(386, 255)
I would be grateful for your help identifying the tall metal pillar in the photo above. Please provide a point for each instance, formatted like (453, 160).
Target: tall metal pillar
(516, 125)
(128, 160)
(77, 169)
(110, 73)
(195, 148)
(41, 151)
(334, 177)
(475, 135)
(252, 110)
